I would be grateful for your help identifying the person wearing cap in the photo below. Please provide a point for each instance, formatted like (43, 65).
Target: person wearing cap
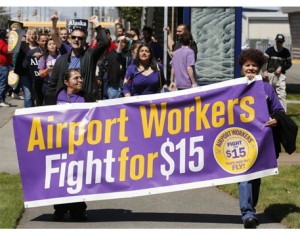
(278, 62)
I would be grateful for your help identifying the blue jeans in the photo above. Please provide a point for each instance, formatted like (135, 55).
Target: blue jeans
(113, 92)
(3, 82)
(26, 83)
(248, 195)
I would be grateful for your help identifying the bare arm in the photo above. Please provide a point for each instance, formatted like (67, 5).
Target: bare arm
(54, 31)
(191, 75)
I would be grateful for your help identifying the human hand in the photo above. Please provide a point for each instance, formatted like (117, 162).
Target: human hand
(278, 71)
(265, 74)
(54, 18)
(37, 55)
(172, 86)
(118, 20)
(250, 76)
(167, 29)
(94, 20)
(271, 122)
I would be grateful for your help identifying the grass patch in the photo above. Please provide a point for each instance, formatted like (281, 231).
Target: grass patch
(11, 200)
(279, 196)
(293, 111)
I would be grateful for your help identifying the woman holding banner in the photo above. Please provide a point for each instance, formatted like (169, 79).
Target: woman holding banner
(251, 62)
(71, 93)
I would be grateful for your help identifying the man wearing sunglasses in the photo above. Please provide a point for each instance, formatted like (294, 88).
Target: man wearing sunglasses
(81, 58)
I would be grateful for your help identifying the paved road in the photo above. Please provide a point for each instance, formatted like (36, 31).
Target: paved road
(205, 208)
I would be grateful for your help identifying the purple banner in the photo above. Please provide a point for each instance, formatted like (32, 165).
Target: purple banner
(149, 144)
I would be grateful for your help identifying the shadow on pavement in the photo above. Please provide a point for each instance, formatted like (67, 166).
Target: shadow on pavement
(122, 215)
(282, 210)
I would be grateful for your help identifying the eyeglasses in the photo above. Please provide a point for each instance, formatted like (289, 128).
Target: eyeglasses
(77, 78)
(77, 37)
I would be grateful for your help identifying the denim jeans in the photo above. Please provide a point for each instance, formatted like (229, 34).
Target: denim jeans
(113, 92)
(3, 82)
(248, 196)
(26, 83)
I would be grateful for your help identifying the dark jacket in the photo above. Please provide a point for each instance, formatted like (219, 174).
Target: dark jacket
(116, 68)
(285, 133)
(88, 62)
(278, 58)
(22, 65)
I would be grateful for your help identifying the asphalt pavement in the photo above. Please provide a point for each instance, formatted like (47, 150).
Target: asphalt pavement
(204, 208)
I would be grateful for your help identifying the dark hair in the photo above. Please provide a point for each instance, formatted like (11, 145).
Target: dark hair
(148, 29)
(80, 29)
(186, 27)
(251, 54)
(46, 53)
(152, 61)
(107, 31)
(136, 30)
(186, 39)
(67, 73)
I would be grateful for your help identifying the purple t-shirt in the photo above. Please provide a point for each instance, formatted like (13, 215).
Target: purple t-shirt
(44, 62)
(139, 84)
(63, 98)
(183, 58)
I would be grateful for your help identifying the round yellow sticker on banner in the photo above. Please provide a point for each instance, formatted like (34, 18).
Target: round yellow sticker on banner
(235, 150)
(12, 40)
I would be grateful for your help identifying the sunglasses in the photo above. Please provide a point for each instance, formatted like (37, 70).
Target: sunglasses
(77, 37)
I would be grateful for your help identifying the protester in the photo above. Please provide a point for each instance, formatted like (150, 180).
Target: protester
(116, 68)
(64, 46)
(181, 30)
(147, 37)
(183, 63)
(33, 58)
(71, 93)
(22, 66)
(278, 62)
(251, 62)
(80, 58)
(5, 62)
(63, 35)
(46, 63)
(145, 75)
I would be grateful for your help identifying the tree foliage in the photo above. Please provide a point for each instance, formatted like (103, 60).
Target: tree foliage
(4, 18)
(132, 14)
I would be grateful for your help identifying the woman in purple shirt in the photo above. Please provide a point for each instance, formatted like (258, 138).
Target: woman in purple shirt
(251, 62)
(145, 75)
(72, 93)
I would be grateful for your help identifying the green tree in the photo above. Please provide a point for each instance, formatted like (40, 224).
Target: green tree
(4, 18)
(132, 14)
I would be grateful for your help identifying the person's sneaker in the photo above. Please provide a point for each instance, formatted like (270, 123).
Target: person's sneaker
(15, 96)
(250, 223)
(4, 104)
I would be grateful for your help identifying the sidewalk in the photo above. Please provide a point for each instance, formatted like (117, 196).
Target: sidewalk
(191, 209)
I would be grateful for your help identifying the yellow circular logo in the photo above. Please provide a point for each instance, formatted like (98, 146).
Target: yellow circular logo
(235, 150)
(12, 40)
(16, 25)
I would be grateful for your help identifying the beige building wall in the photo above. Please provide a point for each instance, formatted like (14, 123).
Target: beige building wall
(269, 31)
